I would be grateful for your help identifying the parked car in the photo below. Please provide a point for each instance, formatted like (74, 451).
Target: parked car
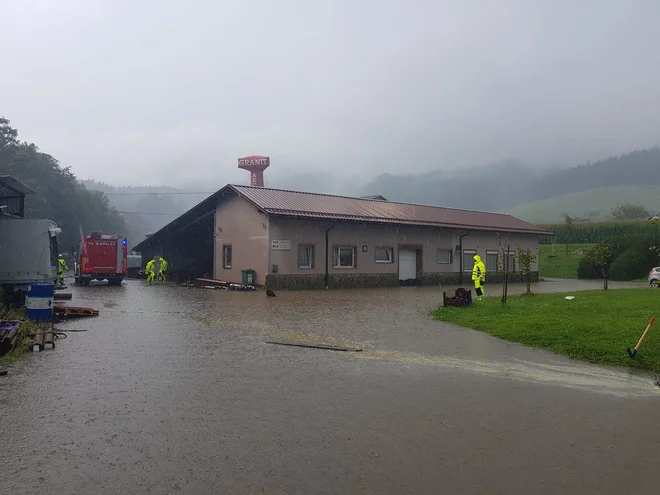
(654, 277)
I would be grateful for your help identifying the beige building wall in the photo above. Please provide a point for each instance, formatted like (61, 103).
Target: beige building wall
(240, 225)
(428, 239)
(483, 242)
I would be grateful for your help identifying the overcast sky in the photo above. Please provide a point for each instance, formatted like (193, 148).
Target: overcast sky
(171, 92)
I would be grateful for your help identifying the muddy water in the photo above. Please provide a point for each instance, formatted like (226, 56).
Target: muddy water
(173, 390)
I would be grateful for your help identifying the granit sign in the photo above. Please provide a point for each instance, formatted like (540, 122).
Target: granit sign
(250, 161)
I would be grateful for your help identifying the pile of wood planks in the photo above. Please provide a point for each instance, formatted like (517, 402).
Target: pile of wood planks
(44, 335)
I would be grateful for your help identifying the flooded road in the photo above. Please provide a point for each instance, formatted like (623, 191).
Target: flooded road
(173, 390)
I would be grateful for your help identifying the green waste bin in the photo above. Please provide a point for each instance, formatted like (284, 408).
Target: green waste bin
(248, 276)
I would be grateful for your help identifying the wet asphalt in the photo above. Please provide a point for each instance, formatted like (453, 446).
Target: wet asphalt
(174, 390)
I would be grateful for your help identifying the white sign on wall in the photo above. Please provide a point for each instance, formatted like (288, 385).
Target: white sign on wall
(276, 245)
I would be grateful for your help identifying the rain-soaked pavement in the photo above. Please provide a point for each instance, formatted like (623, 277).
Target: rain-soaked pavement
(173, 390)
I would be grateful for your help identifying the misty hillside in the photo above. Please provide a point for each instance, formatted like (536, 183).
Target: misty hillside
(484, 188)
(323, 183)
(508, 184)
(591, 205)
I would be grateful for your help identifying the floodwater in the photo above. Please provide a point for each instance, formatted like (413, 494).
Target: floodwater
(174, 390)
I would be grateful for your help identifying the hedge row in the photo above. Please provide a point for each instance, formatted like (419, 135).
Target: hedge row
(593, 232)
(632, 259)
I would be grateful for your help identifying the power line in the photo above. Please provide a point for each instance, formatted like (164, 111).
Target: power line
(148, 213)
(151, 193)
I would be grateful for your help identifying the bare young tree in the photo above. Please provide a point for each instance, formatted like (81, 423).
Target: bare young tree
(526, 258)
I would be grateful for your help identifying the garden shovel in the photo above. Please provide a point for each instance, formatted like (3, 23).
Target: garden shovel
(633, 353)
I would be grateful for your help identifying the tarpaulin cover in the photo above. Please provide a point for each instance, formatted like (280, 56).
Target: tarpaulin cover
(25, 251)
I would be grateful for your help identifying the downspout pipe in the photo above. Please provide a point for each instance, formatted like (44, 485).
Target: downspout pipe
(327, 254)
(460, 244)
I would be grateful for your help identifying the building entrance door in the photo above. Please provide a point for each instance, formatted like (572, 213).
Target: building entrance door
(407, 264)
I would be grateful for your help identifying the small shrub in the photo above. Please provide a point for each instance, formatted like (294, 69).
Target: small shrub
(634, 263)
(627, 266)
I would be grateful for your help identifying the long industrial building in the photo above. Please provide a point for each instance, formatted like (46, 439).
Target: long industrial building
(299, 240)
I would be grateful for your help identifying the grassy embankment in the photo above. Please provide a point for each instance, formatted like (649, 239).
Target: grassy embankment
(597, 326)
(22, 340)
(553, 263)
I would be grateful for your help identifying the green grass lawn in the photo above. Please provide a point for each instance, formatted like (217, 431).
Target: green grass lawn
(597, 326)
(560, 266)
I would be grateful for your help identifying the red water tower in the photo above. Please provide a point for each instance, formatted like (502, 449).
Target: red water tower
(255, 164)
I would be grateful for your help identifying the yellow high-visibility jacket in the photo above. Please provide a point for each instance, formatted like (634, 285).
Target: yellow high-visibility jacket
(62, 265)
(479, 269)
(150, 266)
(163, 264)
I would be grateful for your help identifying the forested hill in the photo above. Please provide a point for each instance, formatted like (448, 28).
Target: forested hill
(507, 184)
(483, 188)
(639, 168)
(59, 196)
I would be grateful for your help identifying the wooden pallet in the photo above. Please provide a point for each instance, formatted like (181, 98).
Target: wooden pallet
(73, 312)
(63, 296)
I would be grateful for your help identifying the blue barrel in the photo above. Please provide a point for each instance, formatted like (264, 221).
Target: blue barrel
(39, 301)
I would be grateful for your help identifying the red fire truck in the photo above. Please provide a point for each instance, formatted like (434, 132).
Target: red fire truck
(101, 257)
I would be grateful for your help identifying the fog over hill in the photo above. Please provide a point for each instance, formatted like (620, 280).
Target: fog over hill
(504, 185)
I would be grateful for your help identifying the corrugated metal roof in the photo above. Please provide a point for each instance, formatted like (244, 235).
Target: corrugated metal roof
(328, 207)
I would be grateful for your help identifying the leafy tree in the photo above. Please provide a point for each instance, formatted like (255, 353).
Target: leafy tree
(59, 196)
(601, 257)
(628, 211)
(526, 258)
(8, 135)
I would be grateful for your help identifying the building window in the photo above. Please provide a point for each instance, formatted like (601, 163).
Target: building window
(384, 255)
(444, 256)
(344, 257)
(492, 258)
(226, 256)
(468, 259)
(305, 256)
(512, 261)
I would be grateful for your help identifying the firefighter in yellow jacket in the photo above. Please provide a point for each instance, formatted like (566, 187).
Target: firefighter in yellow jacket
(479, 276)
(149, 270)
(61, 267)
(162, 267)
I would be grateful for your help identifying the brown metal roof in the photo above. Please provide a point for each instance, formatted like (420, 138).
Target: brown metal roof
(328, 207)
